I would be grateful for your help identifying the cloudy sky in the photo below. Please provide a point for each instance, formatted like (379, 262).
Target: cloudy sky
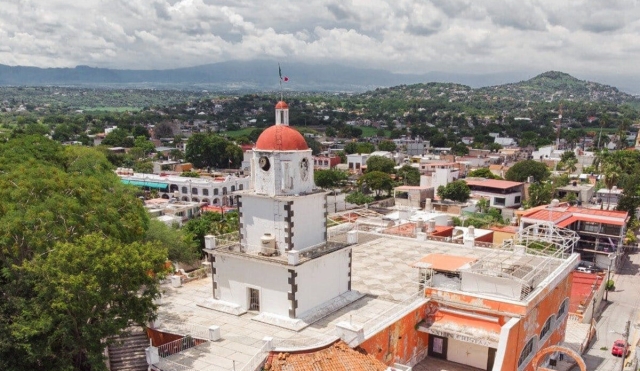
(587, 38)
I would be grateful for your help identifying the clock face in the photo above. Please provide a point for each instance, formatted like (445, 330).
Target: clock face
(304, 169)
(264, 163)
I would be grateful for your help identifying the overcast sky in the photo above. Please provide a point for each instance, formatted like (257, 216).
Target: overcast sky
(587, 38)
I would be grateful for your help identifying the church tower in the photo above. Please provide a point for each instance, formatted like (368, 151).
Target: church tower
(282, 265)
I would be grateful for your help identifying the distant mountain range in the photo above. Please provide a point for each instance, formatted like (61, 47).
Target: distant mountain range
(244, 76)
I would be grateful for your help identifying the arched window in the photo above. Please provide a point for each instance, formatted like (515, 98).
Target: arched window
(215, 191)
(185, 190)
(224, 190)
(173, 188)
(546, 328)
(527, 352)
(563, 308)
(233, 188)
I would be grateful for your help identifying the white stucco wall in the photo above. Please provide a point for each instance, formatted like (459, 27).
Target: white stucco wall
(308, 221)
(467, 354)
(509, 199)
(322, 279)
(262, 215)
(235, 275)
(284, 176)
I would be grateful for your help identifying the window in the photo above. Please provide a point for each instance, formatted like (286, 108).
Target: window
(224, 190)
(545, 329)
(233, 188)
(240, 187)
(184, 190)
(563, 308)
(499, 201)
(526, 352)
(194, 190)
(517, 200)
(590, 227)
(205, 192)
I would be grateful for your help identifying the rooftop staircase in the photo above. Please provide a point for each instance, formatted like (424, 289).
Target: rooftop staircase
(127, 353)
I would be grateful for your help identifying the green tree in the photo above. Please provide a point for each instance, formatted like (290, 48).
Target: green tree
(80, 298)
(455, 191)
(180, 245)
(366, 147)
(211, 150)
(330, 132)
(211, 223)
(118, 138)
(483, 172)
(380, 163)
(376, 181)
(524, 169)
(540, 193)
(611, 177)
(163, 130)
(330, 179)
(358, 198)
(387, 145)
(69, 232)
(145, 145)
(409, 174)
(351, 147)
(483, 205)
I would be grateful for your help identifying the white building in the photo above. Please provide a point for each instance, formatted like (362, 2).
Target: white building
(280, 265)
(501, 193)
(211, 191)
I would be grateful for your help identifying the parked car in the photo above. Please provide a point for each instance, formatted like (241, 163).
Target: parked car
(620, 348)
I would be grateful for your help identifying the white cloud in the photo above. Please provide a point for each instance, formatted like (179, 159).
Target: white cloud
(583, 36)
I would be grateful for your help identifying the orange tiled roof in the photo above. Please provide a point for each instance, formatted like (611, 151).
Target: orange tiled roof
(493, 183)
(336, 357)
(444, 262)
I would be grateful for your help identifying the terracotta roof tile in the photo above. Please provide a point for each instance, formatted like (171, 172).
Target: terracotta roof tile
(336, 357)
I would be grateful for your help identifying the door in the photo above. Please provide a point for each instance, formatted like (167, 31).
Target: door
(492, 358)
(254, 299)
(437, 346)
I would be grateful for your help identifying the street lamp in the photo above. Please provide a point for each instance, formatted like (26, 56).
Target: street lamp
(606, 289)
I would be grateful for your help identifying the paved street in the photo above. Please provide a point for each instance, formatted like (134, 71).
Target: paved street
(622, 306)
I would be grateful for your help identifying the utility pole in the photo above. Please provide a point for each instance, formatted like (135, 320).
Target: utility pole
(626, 343)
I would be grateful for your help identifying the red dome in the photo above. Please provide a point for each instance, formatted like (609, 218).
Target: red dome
(282, 105)
(281, 138)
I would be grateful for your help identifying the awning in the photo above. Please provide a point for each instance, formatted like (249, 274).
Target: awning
(147, 184)
(476, 329)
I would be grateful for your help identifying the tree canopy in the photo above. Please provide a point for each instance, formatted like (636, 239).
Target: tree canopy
(524, 169)
(483, 172)
(409, 175)
(455, 191)
(380, 163)
(331, 178)
(377, 181)
(69, 232)
(210, 150)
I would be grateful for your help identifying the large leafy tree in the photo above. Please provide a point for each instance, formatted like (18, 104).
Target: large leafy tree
(51, 198)
(329, 179)
(210, 150)
(380, 163)
(387, 145)
(409, 174)
(483, 172)
(377, 181)
(524, 169)
(456, 191)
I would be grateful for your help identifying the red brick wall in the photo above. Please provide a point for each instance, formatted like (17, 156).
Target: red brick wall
(400, 341)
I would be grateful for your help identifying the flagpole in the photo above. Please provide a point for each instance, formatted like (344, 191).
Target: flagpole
(280, 73)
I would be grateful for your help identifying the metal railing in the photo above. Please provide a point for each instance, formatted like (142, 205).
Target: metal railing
(257, 361)
(178, 346)
(391, 315)
(194, 331)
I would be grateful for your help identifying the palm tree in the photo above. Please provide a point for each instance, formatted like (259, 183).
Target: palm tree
(611, 177)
